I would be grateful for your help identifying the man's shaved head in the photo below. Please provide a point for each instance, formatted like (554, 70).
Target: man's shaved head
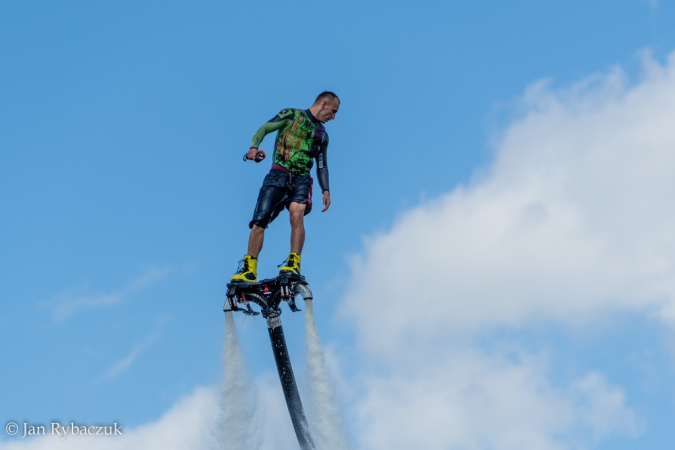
(326, 96)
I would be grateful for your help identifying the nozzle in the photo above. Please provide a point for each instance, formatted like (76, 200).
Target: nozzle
(303, 291)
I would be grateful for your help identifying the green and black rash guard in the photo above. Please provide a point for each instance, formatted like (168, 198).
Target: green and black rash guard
(300, 139)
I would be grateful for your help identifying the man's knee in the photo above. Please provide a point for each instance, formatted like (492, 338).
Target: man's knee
(297, 212)
(255, 229)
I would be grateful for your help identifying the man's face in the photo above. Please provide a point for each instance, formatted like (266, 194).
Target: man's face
(328, 110)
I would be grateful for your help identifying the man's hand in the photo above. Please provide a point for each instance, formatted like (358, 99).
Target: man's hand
(255, 154)
(326, 200)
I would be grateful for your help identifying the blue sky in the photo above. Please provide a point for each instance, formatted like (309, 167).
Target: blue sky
(125, 206)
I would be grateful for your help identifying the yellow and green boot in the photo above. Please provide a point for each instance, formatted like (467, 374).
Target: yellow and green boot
(248, 270)
(291, 265)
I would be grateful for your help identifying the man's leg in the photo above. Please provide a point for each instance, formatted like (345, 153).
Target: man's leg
(297, 215)
(255, 240)
(268, 206)
(270, 203)
(248, 270)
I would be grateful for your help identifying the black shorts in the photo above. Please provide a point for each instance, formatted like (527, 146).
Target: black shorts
(279, 189)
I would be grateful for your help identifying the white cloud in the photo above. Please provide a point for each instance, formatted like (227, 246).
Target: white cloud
(195, 422)
(601, 407)
(573, 219)
(125, 363)
(70, 302)
(470, 400)
(190, 424)
(572, 222)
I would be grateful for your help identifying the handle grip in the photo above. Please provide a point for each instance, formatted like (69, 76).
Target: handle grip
(258, 156)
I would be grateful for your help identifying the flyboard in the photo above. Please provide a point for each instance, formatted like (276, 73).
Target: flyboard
(268, 295)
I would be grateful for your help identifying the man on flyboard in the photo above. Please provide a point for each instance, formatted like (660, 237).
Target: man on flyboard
(300, 140)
